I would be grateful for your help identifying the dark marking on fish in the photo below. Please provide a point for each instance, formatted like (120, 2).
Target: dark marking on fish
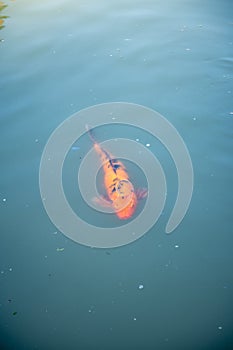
(112, 165)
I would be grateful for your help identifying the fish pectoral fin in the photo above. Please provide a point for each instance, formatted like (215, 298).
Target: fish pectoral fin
(103, 201)
(141, 193)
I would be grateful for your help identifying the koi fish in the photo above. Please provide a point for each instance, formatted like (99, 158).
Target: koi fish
(120, 193)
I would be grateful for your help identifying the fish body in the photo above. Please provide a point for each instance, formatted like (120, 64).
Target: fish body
(121, 195)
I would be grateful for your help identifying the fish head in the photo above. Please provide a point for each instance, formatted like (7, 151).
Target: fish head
(126, 201)
(124, 188)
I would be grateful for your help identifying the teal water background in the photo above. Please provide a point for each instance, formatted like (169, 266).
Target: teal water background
(58, 57)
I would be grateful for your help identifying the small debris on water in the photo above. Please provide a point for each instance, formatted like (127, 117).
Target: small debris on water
(137, 140)
(14, 313)
(141, 286)
(220, 327)
(134, 319)
(75, 148)
(60, 249)
(4, 199)
(176, 246)
(148, 145)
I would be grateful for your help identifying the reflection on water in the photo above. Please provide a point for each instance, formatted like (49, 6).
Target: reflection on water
(57, 58)
(2, 17)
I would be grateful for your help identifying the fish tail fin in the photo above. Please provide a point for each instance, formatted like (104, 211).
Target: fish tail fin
(90, 133)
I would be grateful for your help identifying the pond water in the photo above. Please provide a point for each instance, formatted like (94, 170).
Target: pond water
(162, 291)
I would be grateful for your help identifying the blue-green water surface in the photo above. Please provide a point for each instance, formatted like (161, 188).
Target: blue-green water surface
(162, 291)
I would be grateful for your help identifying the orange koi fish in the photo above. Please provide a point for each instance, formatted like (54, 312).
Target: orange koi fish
(120, 193)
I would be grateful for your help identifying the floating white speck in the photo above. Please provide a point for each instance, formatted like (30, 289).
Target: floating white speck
(60, 249)
(140, 286)
(220, 327)
(36, 140)
(127, 39)
(134, 319)
(148, 145)
(187, 49)
(110, 55)
(2, 272)
(113, 118)
(194, 118)
(176, 246)
(231, 113)
(10, 269)
(137, 140)
(4, 199)
(89, 310)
